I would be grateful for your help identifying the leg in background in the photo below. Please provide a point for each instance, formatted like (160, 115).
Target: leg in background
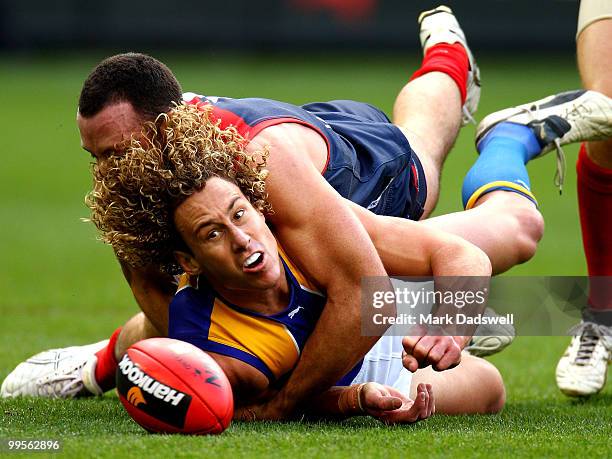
(474, 386)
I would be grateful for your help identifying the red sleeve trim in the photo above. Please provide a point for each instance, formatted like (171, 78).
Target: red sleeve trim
(248, 131)
(274, 121)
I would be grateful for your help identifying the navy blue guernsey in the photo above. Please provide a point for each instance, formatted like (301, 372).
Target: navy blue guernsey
(370, 161)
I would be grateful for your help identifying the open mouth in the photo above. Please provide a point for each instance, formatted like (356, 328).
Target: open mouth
(254, 261)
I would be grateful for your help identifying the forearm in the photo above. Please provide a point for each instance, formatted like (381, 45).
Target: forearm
(337, 402)
(327, 242)
(463, 272)
(153, 292)
(135, 329)
(458, 257)
(332, 350)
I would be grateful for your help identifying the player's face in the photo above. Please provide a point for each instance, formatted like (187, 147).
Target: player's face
(103, 133)
(230, 243)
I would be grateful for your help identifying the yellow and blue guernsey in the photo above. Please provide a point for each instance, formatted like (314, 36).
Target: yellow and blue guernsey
(270, 343)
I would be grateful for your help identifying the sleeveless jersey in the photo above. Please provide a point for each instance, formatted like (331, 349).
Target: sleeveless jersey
(369, 160)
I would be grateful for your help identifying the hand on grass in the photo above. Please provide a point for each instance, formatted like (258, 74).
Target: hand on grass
(393, 407)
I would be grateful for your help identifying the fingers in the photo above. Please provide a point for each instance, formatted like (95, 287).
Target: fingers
(431, 405)
(408, 360)
(424, 350)
(417, 411)
(441, 352)
(388, 403)
(450, 359)
(424, 405)
(423, 402)
(377, 398)
(436, 348)
(410, 363)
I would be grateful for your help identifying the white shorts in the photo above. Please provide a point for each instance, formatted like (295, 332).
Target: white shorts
(592, 11)
(383, 364)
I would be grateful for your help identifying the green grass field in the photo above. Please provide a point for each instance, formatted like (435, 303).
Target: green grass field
(59, 286)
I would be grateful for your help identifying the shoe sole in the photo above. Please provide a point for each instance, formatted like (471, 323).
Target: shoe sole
(577, 393)
(439, 9)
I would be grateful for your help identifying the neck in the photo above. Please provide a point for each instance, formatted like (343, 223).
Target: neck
(269, 301)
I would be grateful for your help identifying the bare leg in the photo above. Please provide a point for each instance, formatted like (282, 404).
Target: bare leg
(474, 386)
(153, 292)
(594, 49)
(505, 225)
(428, 111)
(582, 369)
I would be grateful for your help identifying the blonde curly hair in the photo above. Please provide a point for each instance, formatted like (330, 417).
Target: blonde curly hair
(136, 192)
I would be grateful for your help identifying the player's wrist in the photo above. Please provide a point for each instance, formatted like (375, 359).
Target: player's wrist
(350, 401)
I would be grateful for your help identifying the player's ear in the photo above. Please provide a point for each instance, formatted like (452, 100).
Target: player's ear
(189, 264)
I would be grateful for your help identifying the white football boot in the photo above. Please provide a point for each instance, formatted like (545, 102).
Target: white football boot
(440, 26)
(560, 119)
(490, 338)
(582, 369)
(56, 373)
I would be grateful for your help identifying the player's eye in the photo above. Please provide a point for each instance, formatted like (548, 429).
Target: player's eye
(212, 235)
(238, 215)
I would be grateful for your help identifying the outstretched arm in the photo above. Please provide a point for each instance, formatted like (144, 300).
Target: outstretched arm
(329, 244)
(379, 401)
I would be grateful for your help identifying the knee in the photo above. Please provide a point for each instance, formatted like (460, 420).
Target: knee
(529, 228)
(495, 398)
(532, 224)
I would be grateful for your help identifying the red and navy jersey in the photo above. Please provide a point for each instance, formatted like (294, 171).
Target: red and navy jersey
(369, 160)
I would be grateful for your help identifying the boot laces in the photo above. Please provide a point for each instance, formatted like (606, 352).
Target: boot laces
(590, 335)
(559, 178)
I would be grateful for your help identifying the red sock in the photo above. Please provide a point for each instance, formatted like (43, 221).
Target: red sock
(107, 363)
(449, 59)
(595, 203)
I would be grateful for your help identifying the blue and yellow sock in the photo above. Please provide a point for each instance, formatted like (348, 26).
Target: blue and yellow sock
(504, 152)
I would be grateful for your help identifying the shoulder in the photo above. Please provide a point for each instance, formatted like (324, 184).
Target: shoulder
(289, 141)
